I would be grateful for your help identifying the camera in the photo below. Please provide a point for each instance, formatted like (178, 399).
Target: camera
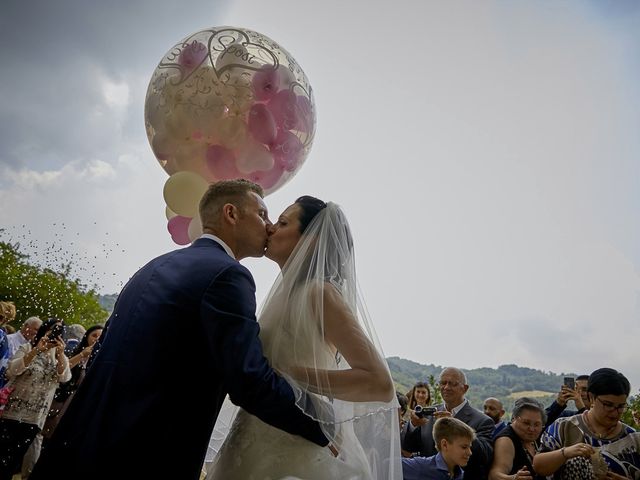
(56, 332)
(422, 412)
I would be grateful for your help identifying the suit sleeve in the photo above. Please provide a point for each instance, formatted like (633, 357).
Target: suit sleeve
(553, 411)
(482, 446)
(228, 313)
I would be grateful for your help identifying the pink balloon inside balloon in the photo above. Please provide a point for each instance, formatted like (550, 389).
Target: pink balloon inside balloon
(287, 150)
(178, 227)
(267, 179)
(283, 106)
(262, 124)
(266, 82)
(222, 162)
(193, 55)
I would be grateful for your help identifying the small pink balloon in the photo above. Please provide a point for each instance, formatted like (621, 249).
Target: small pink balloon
(266, 82)
(266, 179)
(283, 106)
(262, 125)
(178, 227)
(222, 162)
(192, 55)
(287, 150)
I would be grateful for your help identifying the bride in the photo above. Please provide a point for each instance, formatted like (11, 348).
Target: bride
(316, 333)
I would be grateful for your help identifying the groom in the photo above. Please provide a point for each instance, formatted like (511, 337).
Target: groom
(149, 401)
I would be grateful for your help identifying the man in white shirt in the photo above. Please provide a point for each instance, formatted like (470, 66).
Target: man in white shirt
(24, 335)
(419, 438)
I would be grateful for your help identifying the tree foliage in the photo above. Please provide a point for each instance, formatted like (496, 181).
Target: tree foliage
(44, 292)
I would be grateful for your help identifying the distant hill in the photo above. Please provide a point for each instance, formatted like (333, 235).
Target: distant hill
(108, 301)
(506, 382)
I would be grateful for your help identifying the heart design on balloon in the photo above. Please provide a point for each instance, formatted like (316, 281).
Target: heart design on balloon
(235, 50)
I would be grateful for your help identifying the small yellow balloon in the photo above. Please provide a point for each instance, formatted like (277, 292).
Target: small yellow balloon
(182, 193)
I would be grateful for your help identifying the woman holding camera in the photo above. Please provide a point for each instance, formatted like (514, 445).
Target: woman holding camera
(419, 413)
(34, 372)
(420, 394)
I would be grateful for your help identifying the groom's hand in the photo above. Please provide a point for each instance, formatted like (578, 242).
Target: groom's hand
(333, 449)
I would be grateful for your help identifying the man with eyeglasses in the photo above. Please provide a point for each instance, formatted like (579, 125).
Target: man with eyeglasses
(453, 386)
(571, 443)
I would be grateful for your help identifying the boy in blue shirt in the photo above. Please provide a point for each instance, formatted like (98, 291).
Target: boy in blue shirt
(453, 440)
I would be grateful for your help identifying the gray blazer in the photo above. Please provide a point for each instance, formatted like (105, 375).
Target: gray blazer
(421, 440)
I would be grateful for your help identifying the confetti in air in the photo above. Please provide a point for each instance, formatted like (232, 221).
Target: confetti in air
(63, 274)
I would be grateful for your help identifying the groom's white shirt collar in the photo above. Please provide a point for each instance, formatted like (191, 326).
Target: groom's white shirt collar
(219, 240)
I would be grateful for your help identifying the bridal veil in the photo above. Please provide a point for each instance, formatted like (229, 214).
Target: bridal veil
(292, 332)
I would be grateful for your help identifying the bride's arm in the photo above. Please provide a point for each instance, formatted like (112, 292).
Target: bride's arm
(368, 378)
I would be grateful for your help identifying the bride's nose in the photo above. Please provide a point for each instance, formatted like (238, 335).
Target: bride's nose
(271, 228)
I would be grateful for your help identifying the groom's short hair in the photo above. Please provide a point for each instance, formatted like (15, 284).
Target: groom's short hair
(222, 192)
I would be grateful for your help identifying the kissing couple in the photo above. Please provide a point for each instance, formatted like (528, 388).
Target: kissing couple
(316, 396)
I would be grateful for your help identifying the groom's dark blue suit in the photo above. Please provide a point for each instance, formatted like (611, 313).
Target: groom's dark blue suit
(183, 334)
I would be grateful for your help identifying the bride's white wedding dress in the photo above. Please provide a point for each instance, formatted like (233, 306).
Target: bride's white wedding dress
(254, 450)
(365, 432)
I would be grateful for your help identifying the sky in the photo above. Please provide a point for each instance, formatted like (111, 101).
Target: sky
(486, 154)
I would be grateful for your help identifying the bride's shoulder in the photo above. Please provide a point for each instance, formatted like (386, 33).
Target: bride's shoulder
(323, 289)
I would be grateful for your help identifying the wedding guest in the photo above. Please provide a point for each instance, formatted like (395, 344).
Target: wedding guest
(568, 443)
(494, 409)
(516, 446)
(453, 386)
(7, 314)
(35, 372)
(579, 396)
(403, 401)
(402, 409)
(453, 440)
(72, 336)
(26, 333)
(77, 363)
(420, 394)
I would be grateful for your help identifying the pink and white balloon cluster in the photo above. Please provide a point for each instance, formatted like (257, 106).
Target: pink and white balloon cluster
(226, 103)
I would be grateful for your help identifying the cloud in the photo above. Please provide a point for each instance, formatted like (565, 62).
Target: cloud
(484, 153)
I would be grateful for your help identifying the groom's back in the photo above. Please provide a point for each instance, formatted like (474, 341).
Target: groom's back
(154, 369)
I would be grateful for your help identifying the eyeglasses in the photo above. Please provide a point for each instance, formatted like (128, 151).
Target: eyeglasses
(610, 407)
(450, 384)
(529, 423)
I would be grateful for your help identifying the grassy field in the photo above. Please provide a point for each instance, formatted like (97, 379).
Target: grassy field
(531, 393)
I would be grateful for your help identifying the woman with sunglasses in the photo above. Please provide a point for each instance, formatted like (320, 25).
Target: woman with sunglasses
(576, 447)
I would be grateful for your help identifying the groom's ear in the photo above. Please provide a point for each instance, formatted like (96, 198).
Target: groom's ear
(230, 213)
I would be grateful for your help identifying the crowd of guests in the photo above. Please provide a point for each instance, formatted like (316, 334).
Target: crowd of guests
(41, 366)
(43, 363)
(452, 440)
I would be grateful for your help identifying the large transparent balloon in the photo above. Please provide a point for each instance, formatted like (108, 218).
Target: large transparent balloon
(228, 103)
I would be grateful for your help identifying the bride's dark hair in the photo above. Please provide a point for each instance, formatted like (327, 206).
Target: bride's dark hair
(310, 207)
(336, 256)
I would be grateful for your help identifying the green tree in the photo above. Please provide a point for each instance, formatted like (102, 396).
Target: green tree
(631, 415)
(43, 292)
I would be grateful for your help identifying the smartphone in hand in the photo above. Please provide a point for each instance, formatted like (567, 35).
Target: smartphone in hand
(570, 382)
